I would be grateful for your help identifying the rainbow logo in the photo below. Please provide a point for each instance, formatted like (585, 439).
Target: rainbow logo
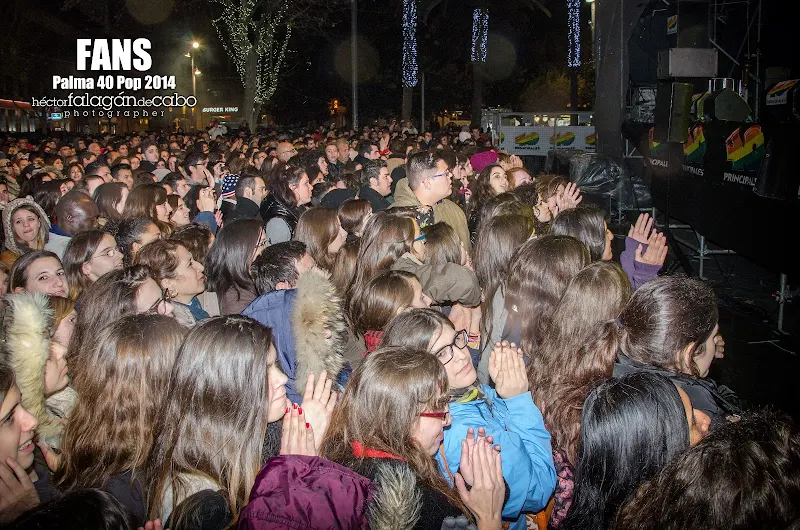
(695, 147)
(591, 139)
(745, 151)
(672, 24)
(781, 88)
(563, 138)
(655, 147)
(531, 138)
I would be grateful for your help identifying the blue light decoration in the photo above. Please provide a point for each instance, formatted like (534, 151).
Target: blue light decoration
(574, 34)
(480, 34)
(409, 43)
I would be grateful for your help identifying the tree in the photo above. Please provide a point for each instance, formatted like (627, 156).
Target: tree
(256, 33)
(409, 56)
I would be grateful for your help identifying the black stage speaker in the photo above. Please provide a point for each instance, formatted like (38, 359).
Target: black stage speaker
(778, 177)
(673, 112)
(692, 24)
(726, 105)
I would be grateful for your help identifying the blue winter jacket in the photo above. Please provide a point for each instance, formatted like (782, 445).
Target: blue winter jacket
(307, 330)
(273, 309)
(517, 426)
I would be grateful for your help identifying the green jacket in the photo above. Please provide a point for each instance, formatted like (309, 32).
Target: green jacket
(445, 211)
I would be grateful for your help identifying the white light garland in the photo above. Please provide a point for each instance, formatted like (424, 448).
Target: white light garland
(409, 43)
(574, 34)
(480, 34)
(234, 27)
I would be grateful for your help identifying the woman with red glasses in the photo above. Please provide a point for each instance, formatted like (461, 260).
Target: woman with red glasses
(387, 426)
(506, 411)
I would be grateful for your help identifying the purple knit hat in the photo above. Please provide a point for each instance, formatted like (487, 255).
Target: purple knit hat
(482, 160)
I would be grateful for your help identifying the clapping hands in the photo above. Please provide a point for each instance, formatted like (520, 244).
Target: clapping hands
(318, 403)
(483, 464)
(507, 370)
(297, 435)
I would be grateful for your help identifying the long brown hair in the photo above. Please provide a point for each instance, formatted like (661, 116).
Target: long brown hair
(482, 189)
(498, 239)
(318, 228)
(80, 250)
(345, 266)
(214, 418)
(381, 299)
(380, 407)
(569, 358)
(111, 429)
(108, 196)
(538, 275)
(353, 214)
(442, 244)
(142, 201)
(386, 238)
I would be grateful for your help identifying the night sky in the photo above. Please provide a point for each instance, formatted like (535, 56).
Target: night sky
(525, 47)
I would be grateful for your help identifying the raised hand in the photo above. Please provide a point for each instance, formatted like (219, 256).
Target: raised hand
(719, 347)
(318, 403)
(297, 436)
(569, 197)
(640, 231)
(17, 493)
(206, 201)
(485, 498)
(507, 370)
(656, 252)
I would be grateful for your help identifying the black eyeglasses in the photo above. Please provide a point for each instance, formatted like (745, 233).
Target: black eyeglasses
(445, 354)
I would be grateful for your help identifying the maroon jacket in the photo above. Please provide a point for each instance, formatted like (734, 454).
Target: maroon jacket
(293, 491)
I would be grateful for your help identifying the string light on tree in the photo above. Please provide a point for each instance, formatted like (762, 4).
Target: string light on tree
(266, 36)
(574, 33)
(409, 43)
(480, 34)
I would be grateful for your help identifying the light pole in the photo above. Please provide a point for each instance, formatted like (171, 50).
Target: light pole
(195, 73)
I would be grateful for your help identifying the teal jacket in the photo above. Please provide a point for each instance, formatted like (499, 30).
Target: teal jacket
(517, 426)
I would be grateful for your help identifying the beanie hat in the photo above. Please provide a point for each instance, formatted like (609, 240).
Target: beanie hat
(482, 160)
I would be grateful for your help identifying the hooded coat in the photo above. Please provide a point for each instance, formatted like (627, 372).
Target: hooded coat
(312, 338)
(27, 323)
(13, 251)
(294, 491)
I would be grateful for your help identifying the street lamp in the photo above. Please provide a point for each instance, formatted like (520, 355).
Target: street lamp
(195, 73)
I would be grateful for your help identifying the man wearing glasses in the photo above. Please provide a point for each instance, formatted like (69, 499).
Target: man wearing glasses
(427, 186)
(285, 152)
(196, 170)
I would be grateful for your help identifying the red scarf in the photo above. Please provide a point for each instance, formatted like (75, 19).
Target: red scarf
(359, 451)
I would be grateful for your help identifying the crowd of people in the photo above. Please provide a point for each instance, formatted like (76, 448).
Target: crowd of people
(340, 329)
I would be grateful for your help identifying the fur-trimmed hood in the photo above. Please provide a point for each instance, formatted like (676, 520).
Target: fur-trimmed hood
(319, 326)
(8, 229)
(308, 328)
(26, 323)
